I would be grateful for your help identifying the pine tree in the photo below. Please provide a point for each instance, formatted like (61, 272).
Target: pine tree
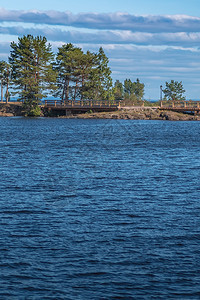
(31, 60)
(64, 66)
(128, 88)
(103, 79)
(118, 90)
(76, 58)
(138, 89)
(174, 90)
(74, 72)
(88, 66)
(133, 91)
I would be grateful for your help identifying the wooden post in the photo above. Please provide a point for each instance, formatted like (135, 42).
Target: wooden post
(45, 102)
(185, 104)
(55, 103)
(172, 104)
(161, 104)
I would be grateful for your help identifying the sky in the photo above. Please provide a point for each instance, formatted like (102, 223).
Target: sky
(153, 40)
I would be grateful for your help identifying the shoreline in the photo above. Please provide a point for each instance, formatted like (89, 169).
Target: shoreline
(124, 113)
(137, 113)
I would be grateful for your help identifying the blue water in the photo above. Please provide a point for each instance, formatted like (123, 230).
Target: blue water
(99, 209)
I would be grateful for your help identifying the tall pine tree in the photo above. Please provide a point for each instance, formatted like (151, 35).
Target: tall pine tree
(74, 69)
(102, 76)
(31, 60)
(82, 75)
(64, 66)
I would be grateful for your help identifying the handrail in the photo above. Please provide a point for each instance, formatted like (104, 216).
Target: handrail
(81, 103)
(180, 104)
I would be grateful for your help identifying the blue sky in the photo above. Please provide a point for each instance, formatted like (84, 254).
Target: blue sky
(191, 7)
(155, 41)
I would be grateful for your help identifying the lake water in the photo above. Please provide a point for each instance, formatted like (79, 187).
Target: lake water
(99, 209)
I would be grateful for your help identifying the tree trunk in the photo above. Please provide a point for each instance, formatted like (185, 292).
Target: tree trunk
(67, 91)
(83, 81)
(7, 94)
(75, 90)
(2, 90)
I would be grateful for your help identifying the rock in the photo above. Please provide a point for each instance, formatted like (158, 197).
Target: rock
(129, 113)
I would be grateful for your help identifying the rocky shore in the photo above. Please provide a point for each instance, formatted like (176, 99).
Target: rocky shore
(126, 113)
(145, 113)
(10, 110)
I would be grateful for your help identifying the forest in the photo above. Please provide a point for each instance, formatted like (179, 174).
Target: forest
(33, 72)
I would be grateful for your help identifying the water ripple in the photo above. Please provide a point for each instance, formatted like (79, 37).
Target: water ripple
(98, 209)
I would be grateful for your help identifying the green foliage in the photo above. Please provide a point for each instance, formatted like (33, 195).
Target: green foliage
(82, 75)
(74, 75)
(118, 90)
(131, 93)
(31, 60)
(5, 74)
(133, 88)
(138, 89)
(33, 73)
(104, 80)
(31, 108)
(2, 69)
(90, 111)
(34, 112)
(174, 91)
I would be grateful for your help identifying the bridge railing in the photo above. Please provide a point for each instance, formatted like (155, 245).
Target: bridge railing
(180, 104)
(81, 103)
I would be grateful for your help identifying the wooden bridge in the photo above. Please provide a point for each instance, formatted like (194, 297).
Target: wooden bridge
(80, 106)
(181, 106)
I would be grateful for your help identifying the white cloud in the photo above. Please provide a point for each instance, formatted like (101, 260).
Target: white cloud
(153, 48)
(180, 39)
(112, 21)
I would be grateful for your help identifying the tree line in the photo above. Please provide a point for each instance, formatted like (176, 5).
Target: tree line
(33, 71)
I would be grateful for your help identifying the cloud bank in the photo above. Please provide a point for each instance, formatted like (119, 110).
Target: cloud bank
(112, 21)
(107, 37)
(116, 28)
